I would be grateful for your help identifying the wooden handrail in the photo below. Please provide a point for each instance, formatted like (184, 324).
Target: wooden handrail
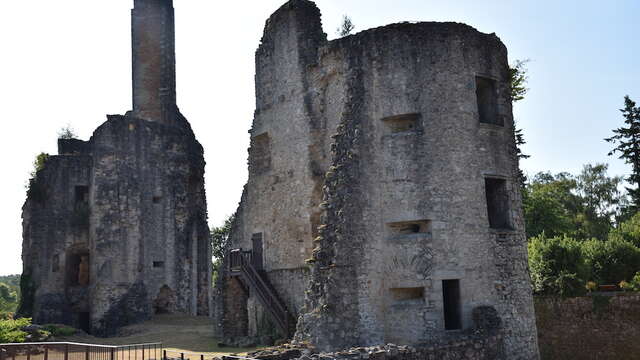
(242, 261)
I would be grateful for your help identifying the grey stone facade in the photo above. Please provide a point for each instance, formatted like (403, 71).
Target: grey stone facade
(115, 228)
(383, 171)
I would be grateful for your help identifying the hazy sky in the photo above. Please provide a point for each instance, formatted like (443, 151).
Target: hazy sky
(68, 62)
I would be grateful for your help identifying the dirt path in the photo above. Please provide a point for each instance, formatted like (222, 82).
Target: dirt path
(177, 333)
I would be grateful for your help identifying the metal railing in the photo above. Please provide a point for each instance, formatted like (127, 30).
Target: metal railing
(79, 351)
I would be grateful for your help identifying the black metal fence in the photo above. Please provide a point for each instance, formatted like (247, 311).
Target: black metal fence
(79, 351)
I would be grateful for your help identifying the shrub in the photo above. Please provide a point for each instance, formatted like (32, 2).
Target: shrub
(10, 330)
(611, 261)
(59, 330)
(635, 282)
(556, 265)
(591, 286)
(568, 284)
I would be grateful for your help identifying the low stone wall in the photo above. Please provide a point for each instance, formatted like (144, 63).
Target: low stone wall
(467, 347)
(600, 326)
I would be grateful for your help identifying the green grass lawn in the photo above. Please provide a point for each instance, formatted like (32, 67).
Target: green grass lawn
(177, 333)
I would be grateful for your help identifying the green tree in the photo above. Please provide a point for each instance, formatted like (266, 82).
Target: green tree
(627, 145)
(8, 299)
(628, 230)
(582, 206)
(518, 79)
(346, 26)
(219, 241)
(550, 204)
(600, 199)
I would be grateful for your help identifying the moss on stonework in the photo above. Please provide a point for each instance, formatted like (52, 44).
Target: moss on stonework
(27, 298)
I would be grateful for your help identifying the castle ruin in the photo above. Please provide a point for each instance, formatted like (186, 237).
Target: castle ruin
(383, 201)
(115, 228)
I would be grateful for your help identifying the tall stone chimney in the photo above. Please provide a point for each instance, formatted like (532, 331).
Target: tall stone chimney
(153, 60)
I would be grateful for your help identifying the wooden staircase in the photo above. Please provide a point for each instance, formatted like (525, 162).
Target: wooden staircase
(241, 264)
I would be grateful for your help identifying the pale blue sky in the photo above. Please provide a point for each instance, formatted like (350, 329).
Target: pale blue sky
(69, 62)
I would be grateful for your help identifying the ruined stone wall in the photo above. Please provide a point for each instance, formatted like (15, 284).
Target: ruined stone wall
(283, 191)
(405, 139)
(132, 202)
(148, 220)
(601, 326)
(410, 149)
(115, 228)
(461, 348)
(55, 227)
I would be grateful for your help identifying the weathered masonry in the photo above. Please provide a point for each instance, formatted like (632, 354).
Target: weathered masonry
(115, 228)
(382, 189)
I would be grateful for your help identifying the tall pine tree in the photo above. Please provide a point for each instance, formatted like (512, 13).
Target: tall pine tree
(627, 141)
(518, 79)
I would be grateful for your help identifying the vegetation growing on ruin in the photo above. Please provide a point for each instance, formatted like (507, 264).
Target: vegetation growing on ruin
(67, 133)
(219, 241)
(346, 27)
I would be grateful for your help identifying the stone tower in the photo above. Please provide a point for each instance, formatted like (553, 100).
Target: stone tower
(154, 60)
(115, 228)
(383, 190)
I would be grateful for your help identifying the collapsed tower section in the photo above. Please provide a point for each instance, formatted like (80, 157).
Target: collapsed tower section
(383, 187)
(115, 228)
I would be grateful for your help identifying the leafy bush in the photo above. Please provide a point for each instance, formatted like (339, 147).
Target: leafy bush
(10, 330)
(628, 231)
(556, 266)
(635, 282)
(568, 284)
(611, 261)
(591, 286)
(59, 329)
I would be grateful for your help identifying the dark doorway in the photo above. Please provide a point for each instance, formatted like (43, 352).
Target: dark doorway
(165, 302)
(452, 308)
(77, 269)
(256, 239)
(82, 194)
(84, 321)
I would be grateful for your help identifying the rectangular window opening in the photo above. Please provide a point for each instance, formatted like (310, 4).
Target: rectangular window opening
(410, 227)
(487, 97)
(81, 194)
(158, 264)
(260, 154)
(452, 306)
(400, 295)
(257, 247)
(55, 263)
(497, 203)
(157, 199)
(402, 123)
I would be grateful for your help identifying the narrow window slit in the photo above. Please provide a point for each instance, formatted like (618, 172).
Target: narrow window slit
(402, 123)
